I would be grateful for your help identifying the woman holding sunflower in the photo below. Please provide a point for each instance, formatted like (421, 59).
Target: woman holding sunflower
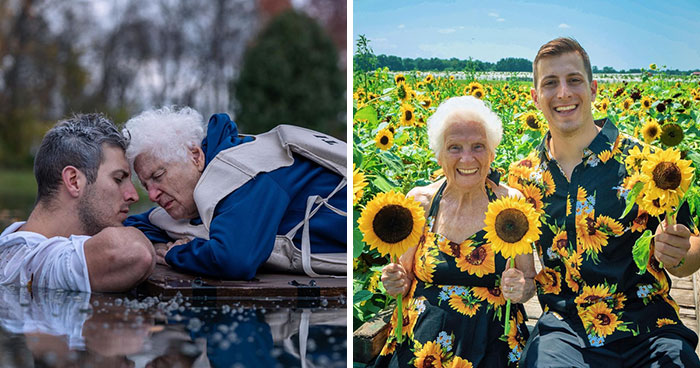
(454, 284)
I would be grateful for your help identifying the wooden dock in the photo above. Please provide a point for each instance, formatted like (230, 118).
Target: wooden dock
(277, 289)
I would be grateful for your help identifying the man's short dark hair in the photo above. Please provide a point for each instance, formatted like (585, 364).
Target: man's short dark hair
(560, 46)
(77, 142)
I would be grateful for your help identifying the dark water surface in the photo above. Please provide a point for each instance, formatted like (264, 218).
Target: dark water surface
(55, 328)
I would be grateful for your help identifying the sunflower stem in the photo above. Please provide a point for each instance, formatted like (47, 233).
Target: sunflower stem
(399, 313)
(670, 221)
(507, 326)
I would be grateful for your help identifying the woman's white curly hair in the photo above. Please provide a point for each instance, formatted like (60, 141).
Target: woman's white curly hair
(466, 108)
(167, 133)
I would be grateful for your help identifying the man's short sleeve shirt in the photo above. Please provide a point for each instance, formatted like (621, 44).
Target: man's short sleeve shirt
(588, 274)
(54, 263)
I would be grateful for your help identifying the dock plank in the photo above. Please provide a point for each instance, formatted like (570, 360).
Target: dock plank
(273, 288)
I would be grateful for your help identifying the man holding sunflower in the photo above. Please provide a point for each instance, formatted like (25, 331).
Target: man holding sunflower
(599, 311)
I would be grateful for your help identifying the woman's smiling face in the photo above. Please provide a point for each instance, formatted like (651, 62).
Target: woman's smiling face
(465, 157)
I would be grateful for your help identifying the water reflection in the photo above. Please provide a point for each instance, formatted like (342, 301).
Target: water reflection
(54, 328)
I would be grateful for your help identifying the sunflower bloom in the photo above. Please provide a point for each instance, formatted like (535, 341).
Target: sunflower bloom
(636, 157)
(572, 276)
(530, 121)
(391, 223)
(593, 294)
(512, 225)
(464, 305)
(358, 184)
(426, 258)
(477, 261)
(384, 139)
(666, 176)
(458, 362)
(493, 296)
(590, 237)
(409, 316)
(454, 249)
(665, 322)
(601, 318)
(651, 131)
(560, 244)
(646, 103)
(478, 93)
(549, 281)
(407, 115)
(429, 356)
(671, 134)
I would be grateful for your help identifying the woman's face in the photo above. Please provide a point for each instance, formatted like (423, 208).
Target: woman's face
(465, 156)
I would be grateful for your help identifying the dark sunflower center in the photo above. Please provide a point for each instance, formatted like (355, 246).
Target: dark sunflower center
(656, 203)
(454, 247)
(532, 122)
(406, 320)
(626, 105)
(642, 219)
(604, 319)
(667, 175)
(591, 298)
(532, 201)
(511, 225)
(590, 225)
(400, 79)
(477, 256)
(408, 115)
(393, 223)
(477, 94)
(647, 104)
(561, 243)
(402, 92)
(384, 140)
(526, 163)
(652, 131)
(495, 291)
(428, 361)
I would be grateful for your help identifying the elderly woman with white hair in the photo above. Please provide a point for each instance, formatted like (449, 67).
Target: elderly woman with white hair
(228, 204)
(453, 283)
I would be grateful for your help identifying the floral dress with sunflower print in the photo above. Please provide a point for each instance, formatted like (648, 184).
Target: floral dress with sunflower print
(453, 315)
(589, 278)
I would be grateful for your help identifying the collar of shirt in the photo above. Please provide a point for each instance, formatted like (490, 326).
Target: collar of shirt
(604, 140)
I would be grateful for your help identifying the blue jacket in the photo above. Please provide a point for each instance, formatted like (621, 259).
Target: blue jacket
(245, 223)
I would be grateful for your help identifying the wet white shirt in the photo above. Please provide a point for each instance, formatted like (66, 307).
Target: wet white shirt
(47, 311)
(54, 263)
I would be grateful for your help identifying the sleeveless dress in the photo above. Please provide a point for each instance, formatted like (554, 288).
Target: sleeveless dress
(453, 316)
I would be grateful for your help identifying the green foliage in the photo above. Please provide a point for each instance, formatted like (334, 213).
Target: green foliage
(290, 75)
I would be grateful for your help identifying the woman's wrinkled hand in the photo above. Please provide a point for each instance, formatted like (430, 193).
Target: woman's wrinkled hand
(163, 248)
(395, 279)
(513, 284)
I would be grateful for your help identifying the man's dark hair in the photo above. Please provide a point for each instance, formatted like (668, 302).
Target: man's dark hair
(77, 142)
(560, 46)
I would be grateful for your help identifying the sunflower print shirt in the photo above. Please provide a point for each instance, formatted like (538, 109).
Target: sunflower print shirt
(588, 274)
(454, 313)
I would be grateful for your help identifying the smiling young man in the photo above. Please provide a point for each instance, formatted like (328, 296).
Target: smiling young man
(74, 238)
(598, 310)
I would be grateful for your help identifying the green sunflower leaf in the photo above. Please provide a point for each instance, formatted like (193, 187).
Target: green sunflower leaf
(361, 296)
(368, 113)
(357, 244)
(632, 197)
(640, 251)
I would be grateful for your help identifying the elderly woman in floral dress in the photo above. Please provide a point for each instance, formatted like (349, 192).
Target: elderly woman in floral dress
(454, 285)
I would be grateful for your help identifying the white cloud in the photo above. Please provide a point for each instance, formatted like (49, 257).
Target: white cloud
(446, 30)
(564, 26)
(500, 20)
(401, 26)
(495, 15)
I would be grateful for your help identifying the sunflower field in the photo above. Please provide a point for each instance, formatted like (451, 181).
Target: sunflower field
(390, 142)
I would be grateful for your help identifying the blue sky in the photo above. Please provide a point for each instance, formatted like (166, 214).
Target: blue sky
(621, 34)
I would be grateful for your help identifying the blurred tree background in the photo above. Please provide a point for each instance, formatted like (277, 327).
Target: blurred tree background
(120, 57)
